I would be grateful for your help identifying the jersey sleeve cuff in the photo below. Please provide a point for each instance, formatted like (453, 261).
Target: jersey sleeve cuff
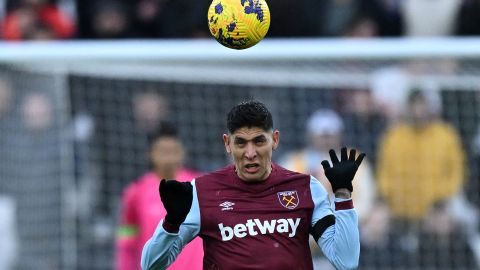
(343, 204)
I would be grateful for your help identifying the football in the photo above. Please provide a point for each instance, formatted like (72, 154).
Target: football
(238, 24)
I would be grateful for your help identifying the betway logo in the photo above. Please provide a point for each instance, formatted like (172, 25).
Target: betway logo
(255, 226)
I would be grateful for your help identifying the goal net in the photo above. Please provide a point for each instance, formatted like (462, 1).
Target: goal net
(75, 117)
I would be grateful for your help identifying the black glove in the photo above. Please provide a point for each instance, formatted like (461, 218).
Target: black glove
(343, 171)
(177, 200)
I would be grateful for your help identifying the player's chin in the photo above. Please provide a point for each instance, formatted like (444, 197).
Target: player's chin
(253, 177)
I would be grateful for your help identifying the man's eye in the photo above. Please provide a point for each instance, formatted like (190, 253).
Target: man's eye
(240, 143)
(260, 141)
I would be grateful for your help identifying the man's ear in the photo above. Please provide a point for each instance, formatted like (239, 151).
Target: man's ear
(276, 139)
(226, 141)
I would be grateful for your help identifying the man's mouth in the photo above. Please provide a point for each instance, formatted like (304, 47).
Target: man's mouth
(252, 167)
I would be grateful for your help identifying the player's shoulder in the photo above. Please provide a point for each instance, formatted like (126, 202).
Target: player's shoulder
(216, 176)
(287, 175)
(286, 172)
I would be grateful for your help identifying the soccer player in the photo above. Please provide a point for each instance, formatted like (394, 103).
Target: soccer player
(142, 208)
(254, 214)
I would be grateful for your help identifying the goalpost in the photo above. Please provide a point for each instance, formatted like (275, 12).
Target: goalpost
(66, 169)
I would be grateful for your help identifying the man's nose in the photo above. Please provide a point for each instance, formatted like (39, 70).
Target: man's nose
(250, 151)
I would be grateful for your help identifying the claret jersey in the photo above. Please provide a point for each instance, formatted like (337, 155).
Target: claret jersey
(261, 225)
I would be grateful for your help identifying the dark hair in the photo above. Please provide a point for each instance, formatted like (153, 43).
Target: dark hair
(249, 114)
(164, 129)
(414, 95)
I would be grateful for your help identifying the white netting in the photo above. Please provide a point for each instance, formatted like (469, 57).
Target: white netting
(97, 142)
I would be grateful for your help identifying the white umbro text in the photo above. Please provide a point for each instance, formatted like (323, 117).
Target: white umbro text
(227, 205)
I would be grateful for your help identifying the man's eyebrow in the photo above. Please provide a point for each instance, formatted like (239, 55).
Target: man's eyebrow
(259, 137)
(240, 139)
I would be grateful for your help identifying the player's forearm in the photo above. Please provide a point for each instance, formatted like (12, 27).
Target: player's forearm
(341, 243)
(161, 250)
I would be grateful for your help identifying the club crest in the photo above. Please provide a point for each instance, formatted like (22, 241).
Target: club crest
(288, 199)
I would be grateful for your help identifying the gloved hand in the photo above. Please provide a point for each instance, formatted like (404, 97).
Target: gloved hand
(177, 199)
(341, 174)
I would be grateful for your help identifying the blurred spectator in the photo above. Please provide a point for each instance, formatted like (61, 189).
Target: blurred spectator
(430, 18)
(389, 86)
(37, 112)
(36, 187)
(149, 108)
(420, 164)
(324, 132)
(415, 168)
(142, 208)
(109, 20)
(467, 18)
(364, 122)
(146, 14)
(361, 27)
(422, 155)
(37, 19)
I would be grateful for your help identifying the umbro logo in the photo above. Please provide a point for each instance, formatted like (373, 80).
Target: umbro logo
(226, 205)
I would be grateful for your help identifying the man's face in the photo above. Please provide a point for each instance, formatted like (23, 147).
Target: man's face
(419, 112)
(251, 150)
(167, 155)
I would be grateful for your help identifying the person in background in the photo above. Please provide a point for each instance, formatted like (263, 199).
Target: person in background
(37, 20)
(420, 165)
(142, 209)
(422, 155)
(110, 20)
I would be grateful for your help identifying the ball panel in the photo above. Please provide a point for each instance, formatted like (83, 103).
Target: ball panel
(238, 24)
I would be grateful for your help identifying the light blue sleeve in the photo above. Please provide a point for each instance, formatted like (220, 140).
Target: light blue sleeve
(340, 242)
(163, 248)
